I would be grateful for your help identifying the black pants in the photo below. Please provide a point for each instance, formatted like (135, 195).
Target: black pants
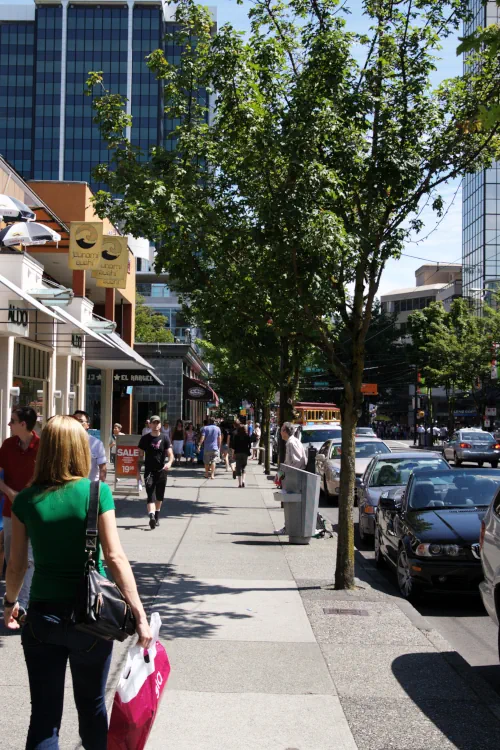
(49, 641)
(155, 481)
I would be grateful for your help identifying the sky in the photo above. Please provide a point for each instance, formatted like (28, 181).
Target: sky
(441, 243)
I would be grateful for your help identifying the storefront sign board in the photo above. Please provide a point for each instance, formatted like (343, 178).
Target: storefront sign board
(113, 266)
(85, 245)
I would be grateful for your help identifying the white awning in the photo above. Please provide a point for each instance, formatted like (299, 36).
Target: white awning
(116, 355)
(76, 324)
(28, 298)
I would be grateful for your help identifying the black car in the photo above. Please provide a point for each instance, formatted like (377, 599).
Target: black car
(430, 532)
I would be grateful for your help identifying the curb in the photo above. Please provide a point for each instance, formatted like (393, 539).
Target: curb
(485, 693)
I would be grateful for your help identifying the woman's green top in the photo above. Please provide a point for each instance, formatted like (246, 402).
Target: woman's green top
(55, 520)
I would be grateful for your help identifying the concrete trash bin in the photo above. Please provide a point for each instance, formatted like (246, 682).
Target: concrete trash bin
(300, 503)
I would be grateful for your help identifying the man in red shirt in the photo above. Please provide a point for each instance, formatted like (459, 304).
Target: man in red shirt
(17, 459)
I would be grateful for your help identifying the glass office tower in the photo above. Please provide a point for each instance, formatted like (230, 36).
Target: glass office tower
(481, 201)
(47, 48)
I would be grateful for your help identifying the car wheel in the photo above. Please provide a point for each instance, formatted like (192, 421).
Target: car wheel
(480, 464)
(379, 558)
(494, 464)
(407, 587)
(457, 460)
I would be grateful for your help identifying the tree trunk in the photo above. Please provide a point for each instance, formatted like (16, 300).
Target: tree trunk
(287, 392)
(344, 571)
(265, 439)
(451, 412)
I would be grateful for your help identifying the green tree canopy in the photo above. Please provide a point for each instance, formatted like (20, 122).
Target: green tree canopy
(323, 144)
(150, 326)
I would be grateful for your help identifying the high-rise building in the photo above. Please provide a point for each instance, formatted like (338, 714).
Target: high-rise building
(481, 200)
(47, 48)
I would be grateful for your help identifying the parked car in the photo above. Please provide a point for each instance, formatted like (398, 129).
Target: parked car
(430, 535)
(365, 432)
(476, 446)
(489, 542)
(314, 435)
(385, 473)
(328, 461)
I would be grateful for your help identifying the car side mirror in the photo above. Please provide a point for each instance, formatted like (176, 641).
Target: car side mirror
(359, 483)
(389, 503)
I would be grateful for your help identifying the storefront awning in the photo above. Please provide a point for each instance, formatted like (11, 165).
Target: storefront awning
(78, 326)
(28, 298)
(115, 354)
(196, 390)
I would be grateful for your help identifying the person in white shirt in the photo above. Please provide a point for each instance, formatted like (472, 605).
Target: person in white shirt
(98, 463)
(147, 427)
(295, 452)
(165, 430)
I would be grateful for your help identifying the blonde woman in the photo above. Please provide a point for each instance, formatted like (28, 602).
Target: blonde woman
(52, 514)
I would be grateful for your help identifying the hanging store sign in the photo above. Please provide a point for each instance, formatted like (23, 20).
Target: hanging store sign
(85, 245)
(490, 411)
(113, 265)
(76, 341)
(369, 389)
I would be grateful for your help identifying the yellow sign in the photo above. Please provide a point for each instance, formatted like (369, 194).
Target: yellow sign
(112, 270)
(243, 412)
(85, 245)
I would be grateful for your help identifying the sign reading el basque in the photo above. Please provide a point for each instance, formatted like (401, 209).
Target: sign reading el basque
(85, 245)
(113, 266)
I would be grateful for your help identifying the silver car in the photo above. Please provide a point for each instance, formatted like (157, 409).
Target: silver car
(474, 446)
(387, 473)
(489, 543)
(328, 461)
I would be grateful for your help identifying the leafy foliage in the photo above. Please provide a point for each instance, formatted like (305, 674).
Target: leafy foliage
(150, 326)
(310, 176)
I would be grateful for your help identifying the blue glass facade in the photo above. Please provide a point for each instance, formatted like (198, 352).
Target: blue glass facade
(146, 93)
(47, 110)
(96, 40)
(32, 72)
(481, 200)
(16, 94)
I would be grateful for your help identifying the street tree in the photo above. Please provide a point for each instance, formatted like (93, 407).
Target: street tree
(454, 349)
(150, 327)
(324, 144)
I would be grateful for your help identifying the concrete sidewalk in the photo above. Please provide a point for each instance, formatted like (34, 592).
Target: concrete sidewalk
(265, 654)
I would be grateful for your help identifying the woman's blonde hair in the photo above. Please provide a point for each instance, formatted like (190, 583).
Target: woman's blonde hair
(63, 453)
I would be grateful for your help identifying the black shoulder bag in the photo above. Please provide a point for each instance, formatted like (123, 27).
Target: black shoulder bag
(100, 607)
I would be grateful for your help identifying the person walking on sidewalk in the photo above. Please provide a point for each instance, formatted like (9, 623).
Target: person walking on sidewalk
(52, 512)
(158, 459)
(178, 441)
(256, 440)
(117, 430)
(190, 444)
(98, 462)
(147, 427)
(210, 442)
(242, 446)
(224, 448)
(165, 430)
(17, 460)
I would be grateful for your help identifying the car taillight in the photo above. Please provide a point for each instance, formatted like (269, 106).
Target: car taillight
(465, 445)
(481, 535)
(497, 446)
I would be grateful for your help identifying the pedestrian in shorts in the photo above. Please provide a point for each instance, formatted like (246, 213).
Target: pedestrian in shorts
(210, 442)
(158, 459)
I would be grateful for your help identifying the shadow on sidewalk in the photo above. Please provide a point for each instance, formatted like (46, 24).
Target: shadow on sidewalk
(464, 721)
(197, 620)
(172, 508)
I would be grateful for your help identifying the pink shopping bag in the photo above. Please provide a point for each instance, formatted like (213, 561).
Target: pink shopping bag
(138, 694)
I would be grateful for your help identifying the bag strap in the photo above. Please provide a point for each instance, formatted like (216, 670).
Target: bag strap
(91, 530)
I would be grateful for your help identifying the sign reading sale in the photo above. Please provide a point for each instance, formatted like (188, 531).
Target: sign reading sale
(127, 461)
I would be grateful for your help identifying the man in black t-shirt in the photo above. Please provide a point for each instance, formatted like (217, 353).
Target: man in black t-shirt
(158, 458)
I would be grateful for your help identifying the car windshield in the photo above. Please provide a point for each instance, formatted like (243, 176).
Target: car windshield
(460, 488)
(319, 436)
(477, 437)
(364, 450)
(364, 431)
(391, 472)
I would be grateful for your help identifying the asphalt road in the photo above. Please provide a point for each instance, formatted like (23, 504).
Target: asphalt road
(462, 620)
